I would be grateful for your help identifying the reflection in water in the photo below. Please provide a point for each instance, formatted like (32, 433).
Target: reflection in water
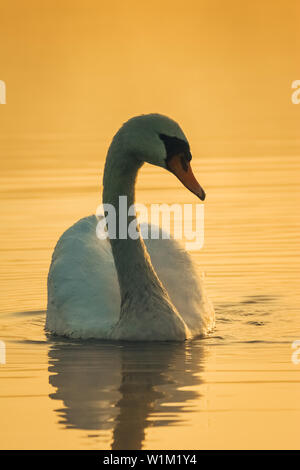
(124, 387)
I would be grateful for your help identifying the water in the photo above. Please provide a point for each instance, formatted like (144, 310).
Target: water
(236, 389)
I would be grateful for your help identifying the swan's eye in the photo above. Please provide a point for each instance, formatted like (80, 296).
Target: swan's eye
(179, 147)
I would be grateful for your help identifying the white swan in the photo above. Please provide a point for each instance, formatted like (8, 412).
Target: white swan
(125, 289)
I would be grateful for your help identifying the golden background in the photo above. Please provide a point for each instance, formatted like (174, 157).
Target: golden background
(223, 69)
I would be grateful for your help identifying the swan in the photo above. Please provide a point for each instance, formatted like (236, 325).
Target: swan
(124, 288)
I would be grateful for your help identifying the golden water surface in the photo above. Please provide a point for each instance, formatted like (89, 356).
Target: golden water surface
(236, 389)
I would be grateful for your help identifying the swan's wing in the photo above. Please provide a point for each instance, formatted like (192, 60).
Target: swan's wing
(184, 284)
(83, 289)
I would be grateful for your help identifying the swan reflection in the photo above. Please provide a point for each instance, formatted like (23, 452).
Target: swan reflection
(124, 387)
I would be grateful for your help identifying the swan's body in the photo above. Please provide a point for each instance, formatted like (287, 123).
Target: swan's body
(113, 289)
(84, 293)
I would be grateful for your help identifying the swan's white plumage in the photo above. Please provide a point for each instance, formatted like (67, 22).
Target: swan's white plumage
(83, 289)
(115, 289)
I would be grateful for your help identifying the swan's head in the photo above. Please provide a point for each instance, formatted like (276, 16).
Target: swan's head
(158, 140)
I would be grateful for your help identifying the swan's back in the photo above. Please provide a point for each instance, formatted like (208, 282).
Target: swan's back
(83, 289)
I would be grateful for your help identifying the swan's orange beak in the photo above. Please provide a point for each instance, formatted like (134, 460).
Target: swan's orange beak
(181, 168)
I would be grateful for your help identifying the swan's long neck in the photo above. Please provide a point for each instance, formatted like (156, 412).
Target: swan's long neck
(137, 278)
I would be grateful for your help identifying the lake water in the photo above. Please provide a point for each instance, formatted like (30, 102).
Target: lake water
(236, 389)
